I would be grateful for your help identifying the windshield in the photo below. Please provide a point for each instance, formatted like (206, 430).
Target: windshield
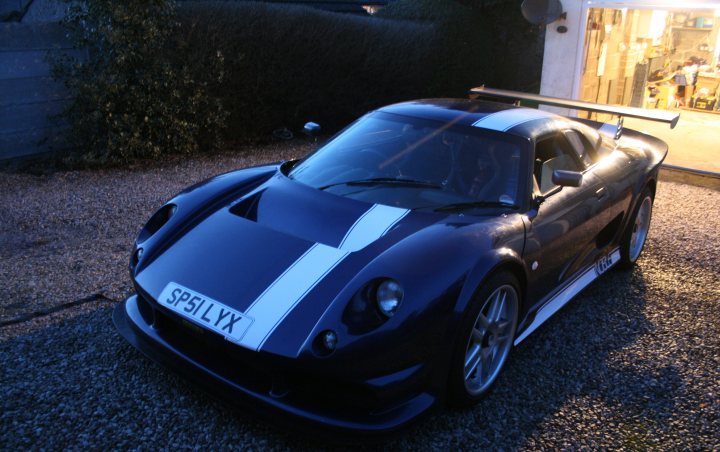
(414, 163)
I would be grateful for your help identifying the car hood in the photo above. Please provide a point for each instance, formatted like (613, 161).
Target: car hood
(280, 254)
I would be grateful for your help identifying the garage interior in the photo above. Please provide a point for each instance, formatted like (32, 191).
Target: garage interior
(652, 58)
(659, 59)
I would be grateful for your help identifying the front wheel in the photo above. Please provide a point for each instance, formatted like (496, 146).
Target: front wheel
(633, 240)
(486, 338)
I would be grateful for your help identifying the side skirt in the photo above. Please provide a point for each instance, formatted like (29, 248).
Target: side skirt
(575, 286)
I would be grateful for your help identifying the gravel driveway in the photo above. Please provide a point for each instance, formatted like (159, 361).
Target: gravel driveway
(633, 362)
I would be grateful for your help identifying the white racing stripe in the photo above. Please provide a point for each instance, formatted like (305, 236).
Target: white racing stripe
(507, 119)
(273, 305)
(372, 225)
(289, 289)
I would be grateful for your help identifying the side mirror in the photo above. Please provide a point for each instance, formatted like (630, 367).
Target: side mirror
(561, 178)
(311, 129)
(565, 178)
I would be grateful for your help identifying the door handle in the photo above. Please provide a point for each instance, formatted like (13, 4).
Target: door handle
(601, 192)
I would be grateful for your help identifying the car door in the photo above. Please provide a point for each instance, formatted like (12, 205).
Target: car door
(562, 232)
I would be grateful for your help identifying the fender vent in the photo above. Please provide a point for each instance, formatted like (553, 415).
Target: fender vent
(609, 232)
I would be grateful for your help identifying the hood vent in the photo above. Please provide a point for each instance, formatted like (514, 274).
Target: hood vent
(248, 207)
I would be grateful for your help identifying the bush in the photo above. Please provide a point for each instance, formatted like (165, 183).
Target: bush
(517, 47)
(290, 64)
(464, 42)
(490, 41)
(161, 78)
(134, 95)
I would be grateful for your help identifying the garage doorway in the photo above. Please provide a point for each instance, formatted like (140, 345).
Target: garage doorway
(659, 59)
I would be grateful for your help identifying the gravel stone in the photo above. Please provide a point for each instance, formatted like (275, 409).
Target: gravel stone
(68, 235)
(633, 362)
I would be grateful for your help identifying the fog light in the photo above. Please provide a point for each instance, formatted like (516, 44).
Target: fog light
(328, 339)
(138, 254)
(389, 296)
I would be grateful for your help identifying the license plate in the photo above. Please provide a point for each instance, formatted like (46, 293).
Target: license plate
(205, 312)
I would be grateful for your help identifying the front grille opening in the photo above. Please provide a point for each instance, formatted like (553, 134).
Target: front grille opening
(146, 310)
(262, 374)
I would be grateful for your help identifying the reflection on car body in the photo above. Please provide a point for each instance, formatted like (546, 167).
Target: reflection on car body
(466, 165)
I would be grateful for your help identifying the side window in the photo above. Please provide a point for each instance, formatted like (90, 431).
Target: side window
(580, 145)
(551, 154)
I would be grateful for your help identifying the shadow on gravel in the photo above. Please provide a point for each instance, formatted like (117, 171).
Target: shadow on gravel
(572, 372)
(77, 383)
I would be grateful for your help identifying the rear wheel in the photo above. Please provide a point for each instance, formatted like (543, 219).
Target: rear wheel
(486, 338)
(633, 240)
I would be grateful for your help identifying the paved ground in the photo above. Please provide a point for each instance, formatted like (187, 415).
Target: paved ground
(694, 142)
(633, 362)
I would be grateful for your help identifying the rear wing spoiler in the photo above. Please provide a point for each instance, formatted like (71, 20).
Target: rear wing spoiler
(667, 117)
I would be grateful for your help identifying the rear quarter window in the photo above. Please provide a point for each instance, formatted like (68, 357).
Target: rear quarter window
(581, 146)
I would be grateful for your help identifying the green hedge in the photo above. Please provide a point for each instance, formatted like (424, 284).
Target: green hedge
(464, 42)
(166, 78)
(517, 47)
(134, 95)
(493, 43)
(288, 64)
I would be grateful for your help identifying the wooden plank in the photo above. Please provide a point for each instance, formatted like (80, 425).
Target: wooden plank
(638, 89)
(31, 63)
(31, 90)
(18, 118)
(16, 36)
(36, 141)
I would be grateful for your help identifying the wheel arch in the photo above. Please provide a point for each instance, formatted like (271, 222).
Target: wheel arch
(504, 262)
(516, 269)
(652, 185)
(512, 267)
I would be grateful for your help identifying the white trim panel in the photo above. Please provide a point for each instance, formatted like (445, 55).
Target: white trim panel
(554, 304)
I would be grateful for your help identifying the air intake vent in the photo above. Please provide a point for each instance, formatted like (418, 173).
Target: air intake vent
(247, 208)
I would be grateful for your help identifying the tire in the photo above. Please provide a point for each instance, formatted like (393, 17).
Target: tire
(485, 340)
(634, 237)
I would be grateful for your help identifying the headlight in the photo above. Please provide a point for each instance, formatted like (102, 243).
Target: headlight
(389, 295)
(372, 305)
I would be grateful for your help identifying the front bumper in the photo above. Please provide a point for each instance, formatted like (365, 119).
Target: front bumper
(264, 393)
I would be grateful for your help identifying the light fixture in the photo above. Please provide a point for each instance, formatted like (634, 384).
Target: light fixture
(328, 339)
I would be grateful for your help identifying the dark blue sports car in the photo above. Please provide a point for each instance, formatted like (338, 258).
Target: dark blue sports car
(395, 267)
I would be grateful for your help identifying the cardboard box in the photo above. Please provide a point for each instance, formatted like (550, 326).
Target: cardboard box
(707, 104)
(709, 82)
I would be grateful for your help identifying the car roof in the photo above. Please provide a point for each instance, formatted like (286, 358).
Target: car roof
(521, 121)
